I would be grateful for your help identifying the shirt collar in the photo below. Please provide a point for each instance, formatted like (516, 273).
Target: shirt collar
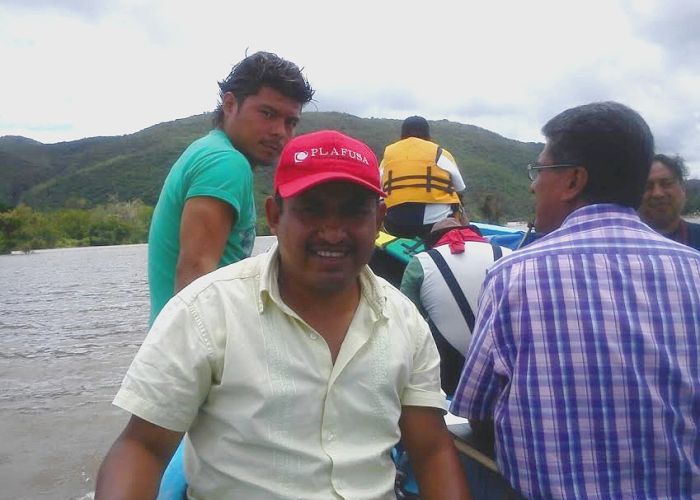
(599, 211)
(269, 268)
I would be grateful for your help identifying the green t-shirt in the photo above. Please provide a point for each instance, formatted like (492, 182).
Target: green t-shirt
(211, 167)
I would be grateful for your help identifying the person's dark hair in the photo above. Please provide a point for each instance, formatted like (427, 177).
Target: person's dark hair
(612, 142)
(675, 164)
(279, 201)
(415, 126)
(263, 69)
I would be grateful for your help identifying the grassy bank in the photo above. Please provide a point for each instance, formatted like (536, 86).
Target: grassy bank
(115, 223)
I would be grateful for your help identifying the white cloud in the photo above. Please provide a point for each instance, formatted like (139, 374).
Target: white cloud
(83, 68)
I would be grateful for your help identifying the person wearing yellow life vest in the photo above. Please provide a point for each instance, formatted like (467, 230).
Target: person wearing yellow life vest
(422, 182)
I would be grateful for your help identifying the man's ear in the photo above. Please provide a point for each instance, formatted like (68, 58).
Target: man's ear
(381, 212)
(272, 212)
(576, 181)
(229, 103)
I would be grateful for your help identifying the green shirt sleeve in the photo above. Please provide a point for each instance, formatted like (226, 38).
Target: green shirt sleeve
(225, 175)
(411, 282)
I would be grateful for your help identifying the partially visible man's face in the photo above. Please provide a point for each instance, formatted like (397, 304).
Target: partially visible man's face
(326, 235)
(663, 199)
(262, 125)
(550, 211)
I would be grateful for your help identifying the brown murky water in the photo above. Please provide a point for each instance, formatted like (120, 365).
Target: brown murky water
(71, 320)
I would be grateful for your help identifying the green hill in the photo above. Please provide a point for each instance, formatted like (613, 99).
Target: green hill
(90, 171)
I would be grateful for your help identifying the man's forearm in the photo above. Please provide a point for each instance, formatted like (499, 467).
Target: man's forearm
(440, 475)
(432, 454)
(129, 471)
(189, 269)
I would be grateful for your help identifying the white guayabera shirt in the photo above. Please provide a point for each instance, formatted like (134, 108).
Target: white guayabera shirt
(268, 414)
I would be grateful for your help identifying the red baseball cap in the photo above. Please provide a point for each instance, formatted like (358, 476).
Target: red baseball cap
(324, 156)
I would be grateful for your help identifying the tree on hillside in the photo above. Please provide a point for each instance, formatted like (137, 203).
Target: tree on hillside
(492, 208)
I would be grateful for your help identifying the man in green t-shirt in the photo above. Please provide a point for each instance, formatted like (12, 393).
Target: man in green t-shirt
(205, 215)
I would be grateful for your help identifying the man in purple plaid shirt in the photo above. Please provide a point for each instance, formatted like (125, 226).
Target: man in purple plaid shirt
(586, 351)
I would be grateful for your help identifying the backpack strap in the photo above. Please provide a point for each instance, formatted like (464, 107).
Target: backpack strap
(454, 287)
(497, 251)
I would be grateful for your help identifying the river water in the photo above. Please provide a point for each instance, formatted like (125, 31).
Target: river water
(71, 321)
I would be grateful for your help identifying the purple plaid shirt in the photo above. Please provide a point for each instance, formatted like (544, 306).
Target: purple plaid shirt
(586, 356)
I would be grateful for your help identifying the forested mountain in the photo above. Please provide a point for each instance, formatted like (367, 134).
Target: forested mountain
(91, 171)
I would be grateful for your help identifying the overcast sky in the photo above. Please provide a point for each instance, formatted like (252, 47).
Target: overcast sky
(82, 68)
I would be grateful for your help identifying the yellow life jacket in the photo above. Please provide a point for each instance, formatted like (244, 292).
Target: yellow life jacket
(410, 173)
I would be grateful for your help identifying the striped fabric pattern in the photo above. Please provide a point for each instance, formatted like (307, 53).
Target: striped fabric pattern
(586, 355)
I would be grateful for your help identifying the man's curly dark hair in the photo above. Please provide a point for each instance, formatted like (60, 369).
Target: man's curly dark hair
(263, 69)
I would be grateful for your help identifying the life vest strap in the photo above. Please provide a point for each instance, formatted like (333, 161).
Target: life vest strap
(429, 182)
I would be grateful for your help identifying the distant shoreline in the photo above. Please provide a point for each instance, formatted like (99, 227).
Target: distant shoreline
(262, 242)
(517, 225)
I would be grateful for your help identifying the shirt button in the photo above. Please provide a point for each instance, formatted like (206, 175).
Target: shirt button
(313, 336)
(331, 436)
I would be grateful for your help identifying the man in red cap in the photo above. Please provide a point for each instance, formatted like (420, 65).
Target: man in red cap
(294, 373)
